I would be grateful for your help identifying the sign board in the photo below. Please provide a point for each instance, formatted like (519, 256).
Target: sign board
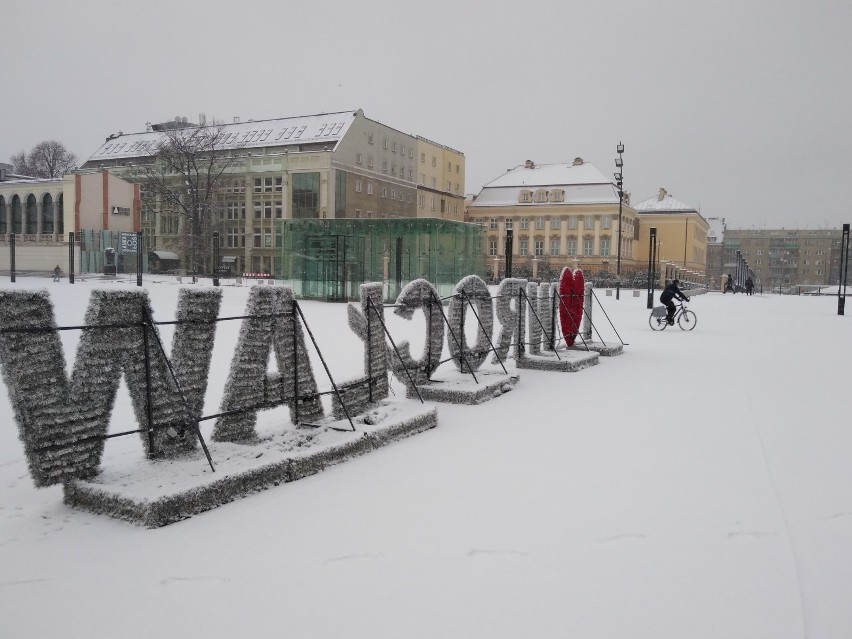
(129, 242)
(121, 210)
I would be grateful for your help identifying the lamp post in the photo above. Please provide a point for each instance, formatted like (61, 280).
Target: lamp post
(619, 163)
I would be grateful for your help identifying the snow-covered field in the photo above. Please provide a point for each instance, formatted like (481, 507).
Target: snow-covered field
(697, 486)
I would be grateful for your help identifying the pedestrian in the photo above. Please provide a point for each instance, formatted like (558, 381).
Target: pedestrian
(56, 273)
(729, 284)
(749, 286)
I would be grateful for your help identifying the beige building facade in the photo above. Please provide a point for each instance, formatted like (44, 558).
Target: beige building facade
(681, 237)
(559, 215)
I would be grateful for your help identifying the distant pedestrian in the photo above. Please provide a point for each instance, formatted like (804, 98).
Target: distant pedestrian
(749, 286)
(729, 284)
(57, 272)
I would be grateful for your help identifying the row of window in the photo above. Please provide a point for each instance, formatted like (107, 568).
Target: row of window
(555, 222)
(555, 247)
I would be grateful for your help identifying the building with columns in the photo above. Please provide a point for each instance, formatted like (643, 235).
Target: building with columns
(560, 215)
(330, 165)
(42, 212)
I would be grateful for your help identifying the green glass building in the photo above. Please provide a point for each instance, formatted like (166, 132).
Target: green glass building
(329, 259)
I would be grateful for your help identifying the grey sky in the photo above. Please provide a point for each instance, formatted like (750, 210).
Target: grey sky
(738, 107)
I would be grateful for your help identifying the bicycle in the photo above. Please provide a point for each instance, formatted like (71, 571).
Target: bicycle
(685, 318)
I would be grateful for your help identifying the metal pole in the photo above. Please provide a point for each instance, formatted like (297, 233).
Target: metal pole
(12, 256)
(138, 258)
(844, 269)
(652, 261)
(71, 258)
(508, 251)
(619, 163)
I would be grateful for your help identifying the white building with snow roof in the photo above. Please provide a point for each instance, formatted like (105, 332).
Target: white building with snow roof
(328, 165)
(560, 215)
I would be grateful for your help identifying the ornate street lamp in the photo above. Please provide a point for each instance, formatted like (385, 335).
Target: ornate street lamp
(619, 163)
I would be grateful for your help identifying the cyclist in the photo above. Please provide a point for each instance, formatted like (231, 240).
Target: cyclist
(672, 292)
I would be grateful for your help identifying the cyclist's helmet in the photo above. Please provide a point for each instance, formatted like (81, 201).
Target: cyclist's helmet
(675, 282)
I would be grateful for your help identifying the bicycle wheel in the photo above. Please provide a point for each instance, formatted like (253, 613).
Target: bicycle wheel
(687, 321)
(657, 323)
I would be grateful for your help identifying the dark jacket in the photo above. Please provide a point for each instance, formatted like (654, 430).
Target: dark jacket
(672, 291)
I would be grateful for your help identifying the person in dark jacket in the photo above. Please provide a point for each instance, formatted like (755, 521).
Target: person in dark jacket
(669, 293)
(749, 286)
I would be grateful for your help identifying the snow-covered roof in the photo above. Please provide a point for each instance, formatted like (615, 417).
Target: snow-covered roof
(307, 129)
(662, 203)
(582, 182)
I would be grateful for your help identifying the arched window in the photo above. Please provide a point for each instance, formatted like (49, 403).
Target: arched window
(60, 215)
(2, 215)
(47, 214)
(556, 195)
(31, 219)
(525, 197)
(17, 217)
(541, 195)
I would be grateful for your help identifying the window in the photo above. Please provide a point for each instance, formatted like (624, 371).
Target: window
(385, 143)
(588, 246)
(525, 223)
(493, 223)
(370, 138)
(305, 199)
(434, 183)
(232, 238)
(526, 196)
(492, 247)
(572, 246)
(523, 245)
(572, 222)
(267, 210)
(423, 179)
(423, 158)
(357, 213)
(541, 196)
(432, 206)
(393, 194)
(357, 186)
(604, 247)
(539, 248)
(279, 209)
(508, 224)
(393, 169)
(257, 237)
(384, 166)
(589, 222)
(369, 188)
(554, 246)
(394, 147)
(449, 166)
(357, 158)
(369, 161)
(279, 184)
(384, 191)
(539, 223)
(605, 222)
(556, 223)
(434, 161)
(421, 201)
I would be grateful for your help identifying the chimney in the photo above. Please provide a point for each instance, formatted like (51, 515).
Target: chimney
(529, 164)
(578, 161)
(236, 119)
(663, 194)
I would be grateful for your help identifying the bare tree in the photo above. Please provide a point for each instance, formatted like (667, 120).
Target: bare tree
(185, 176)
(47, 159)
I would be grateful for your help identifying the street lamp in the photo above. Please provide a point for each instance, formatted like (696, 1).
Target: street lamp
(619, 163)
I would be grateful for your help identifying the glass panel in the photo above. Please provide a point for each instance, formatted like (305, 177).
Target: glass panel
(306, 195)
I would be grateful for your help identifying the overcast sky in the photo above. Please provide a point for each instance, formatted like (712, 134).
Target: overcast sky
(740, 108)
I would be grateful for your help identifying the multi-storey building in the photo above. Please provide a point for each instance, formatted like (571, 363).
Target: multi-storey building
(331, 165)
(681, 236)
(560, 215)
(786, 257)
(440, 181)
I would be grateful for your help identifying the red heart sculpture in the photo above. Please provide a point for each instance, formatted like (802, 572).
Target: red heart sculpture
(572, 289)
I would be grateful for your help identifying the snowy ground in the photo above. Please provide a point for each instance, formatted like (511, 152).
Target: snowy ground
(697, 486)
